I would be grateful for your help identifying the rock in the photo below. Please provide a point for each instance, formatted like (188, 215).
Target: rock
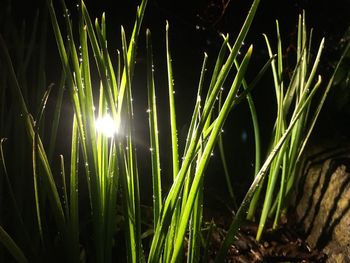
(323, 203)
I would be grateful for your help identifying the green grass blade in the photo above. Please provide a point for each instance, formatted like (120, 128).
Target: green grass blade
(132, 49)
(56, 117)
(153, 127)
(241, 213)
(49, 181)
(157, 242)
(12, 247)
(206, 155)
(65, 191)
(73, 195)
(174, 139)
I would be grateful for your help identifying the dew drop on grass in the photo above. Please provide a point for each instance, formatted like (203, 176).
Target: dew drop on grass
(173, 91)
(148, 110)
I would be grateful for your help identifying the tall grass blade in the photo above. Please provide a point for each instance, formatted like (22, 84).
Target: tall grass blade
(206, 154)
(48, 178)
(241, 213)
(153, 127)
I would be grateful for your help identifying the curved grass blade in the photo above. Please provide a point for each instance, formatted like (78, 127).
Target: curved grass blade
(241, 213)
(12, 247)
(48, 178)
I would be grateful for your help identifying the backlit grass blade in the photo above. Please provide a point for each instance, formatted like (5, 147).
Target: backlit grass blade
(195, 224)
(168, 208)
(174, 147)
(65, 191)
(321, 103)
(36, 172)
(241, 213)
(56, 117)
(133, 215)
(174, 139)
(220, 60)
(73, 220)
(132, 49)
(193, 125)
(153, 127)
(48, 178)
(206, 155)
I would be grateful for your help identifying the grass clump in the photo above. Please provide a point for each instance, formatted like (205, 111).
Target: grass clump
(109, 161)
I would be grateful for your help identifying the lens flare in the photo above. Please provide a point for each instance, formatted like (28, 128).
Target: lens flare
(106, 126)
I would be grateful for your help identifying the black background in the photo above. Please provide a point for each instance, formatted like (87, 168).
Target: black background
(194, 29)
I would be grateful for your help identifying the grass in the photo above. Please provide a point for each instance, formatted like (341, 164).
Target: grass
(109, 162)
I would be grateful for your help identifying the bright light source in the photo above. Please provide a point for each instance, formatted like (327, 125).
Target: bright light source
(106, 126)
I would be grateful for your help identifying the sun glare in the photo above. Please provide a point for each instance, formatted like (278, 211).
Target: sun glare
(106, 125)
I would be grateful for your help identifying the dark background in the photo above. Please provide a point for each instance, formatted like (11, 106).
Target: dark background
(194, 29)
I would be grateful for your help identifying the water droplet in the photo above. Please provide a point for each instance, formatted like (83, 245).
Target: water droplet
(148, 110)
(244, 136)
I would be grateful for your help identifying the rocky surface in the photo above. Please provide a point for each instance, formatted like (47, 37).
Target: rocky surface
(323, 202)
